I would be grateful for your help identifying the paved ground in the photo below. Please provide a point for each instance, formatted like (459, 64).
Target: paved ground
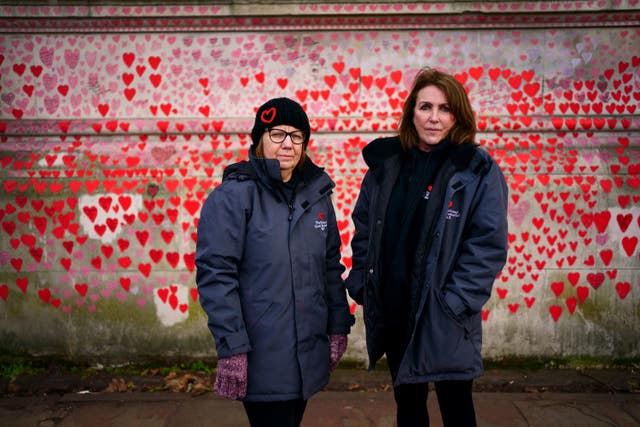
(354, 398)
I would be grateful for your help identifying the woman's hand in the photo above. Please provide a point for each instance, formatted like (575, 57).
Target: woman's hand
(231, 377)
(338, 345)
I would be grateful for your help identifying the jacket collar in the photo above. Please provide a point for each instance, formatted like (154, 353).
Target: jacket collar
(267, 169)
(381, 149)
(315, 182)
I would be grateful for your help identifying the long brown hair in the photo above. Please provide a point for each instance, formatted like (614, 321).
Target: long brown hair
(464, 129)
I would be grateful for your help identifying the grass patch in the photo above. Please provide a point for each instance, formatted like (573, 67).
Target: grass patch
(573, 362)
(16, 368)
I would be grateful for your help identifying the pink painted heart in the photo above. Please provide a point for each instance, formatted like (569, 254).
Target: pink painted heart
(518, 212)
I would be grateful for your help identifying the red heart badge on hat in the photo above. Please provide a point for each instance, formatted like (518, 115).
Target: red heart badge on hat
(267, 116)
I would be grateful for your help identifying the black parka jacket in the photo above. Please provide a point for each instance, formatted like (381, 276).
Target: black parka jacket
(269, 277)
(468, 248)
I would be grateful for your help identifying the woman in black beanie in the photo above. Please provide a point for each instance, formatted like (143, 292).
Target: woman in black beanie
(269, 274)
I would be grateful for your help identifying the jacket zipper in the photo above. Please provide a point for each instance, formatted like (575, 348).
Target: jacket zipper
(291, 209)
(290, 203)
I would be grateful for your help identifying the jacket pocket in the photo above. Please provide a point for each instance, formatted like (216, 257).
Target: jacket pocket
(451, 313)
(442, 343)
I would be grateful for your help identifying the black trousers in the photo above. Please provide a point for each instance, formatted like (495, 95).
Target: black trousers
(275, 414)
(454, 397)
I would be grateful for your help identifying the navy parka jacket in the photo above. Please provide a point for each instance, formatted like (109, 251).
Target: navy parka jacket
(269, 277)
(468, 248)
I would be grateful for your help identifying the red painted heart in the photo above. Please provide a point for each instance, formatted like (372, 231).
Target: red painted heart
(267, 116)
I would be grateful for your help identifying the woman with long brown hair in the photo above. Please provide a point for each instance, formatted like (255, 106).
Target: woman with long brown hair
(430, 239)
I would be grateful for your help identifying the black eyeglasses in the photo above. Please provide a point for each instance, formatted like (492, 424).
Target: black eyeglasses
(278, 136)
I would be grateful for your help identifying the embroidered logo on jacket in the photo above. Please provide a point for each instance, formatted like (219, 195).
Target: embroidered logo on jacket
(427, 193)
(452, 213)
(321, 222)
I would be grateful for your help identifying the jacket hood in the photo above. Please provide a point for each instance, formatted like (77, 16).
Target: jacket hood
(240, 171)
(268, 170)
(379, 150)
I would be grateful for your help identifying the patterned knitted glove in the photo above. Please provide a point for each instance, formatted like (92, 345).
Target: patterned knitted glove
(231, 377)
(338, 345)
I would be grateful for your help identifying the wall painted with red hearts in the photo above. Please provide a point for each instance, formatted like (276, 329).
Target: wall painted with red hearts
(117, 121)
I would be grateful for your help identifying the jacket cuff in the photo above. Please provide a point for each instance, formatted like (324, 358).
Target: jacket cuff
(343, 327)
(233, 344)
